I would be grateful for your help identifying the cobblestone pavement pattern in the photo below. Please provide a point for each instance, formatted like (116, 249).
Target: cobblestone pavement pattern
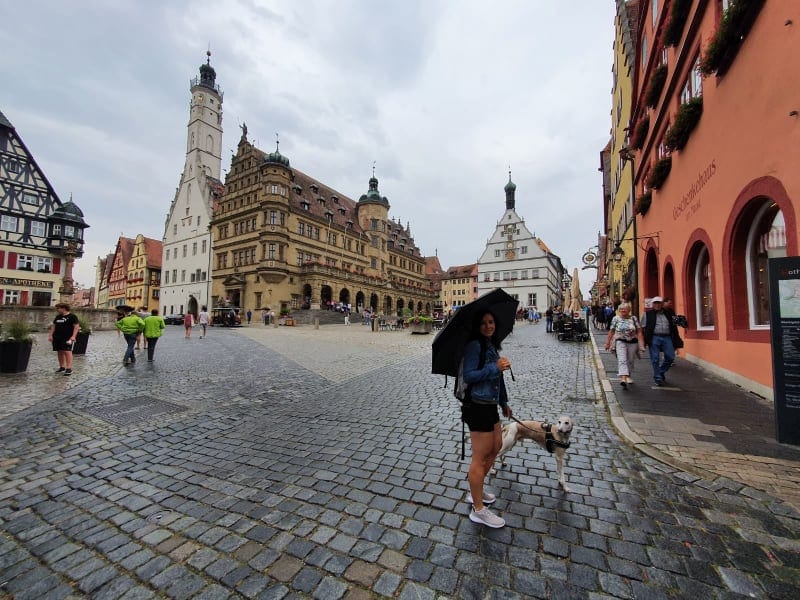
(299, 463)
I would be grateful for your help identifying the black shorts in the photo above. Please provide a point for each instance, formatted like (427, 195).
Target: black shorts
(61, 345)
(479, 417)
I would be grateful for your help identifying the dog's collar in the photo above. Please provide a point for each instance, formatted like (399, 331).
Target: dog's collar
(550, 442)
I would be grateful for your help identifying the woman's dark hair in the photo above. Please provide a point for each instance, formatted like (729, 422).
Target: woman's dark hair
(476, 330)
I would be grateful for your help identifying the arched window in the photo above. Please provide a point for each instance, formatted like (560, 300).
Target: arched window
(704, 291)
(766, 239)
(210, 144)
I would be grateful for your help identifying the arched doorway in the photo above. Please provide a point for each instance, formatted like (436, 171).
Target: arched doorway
(373, 302)
(400, 305)
(191, 306)
(359, 301)
(326, 296)
(428, 308)
(387, 305)
(306, 304)
(344, 296)
(650, 274)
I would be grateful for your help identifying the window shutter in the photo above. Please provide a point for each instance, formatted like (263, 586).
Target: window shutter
(23, 301)
(56, 266)
(1, 296)
(12, 260)
(2, 259)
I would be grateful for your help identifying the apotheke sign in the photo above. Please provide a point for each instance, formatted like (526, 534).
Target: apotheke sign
(35, 283)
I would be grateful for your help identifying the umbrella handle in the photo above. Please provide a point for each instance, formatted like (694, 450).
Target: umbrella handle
(512, 374)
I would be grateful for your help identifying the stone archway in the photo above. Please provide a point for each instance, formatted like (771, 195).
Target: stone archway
(400, 306)
(359, 301)
(651, 287)
(373, 302)
(191, 306)
(387, 305)
(344, 296)
(669, 282)
(325, 297)
(306, 303)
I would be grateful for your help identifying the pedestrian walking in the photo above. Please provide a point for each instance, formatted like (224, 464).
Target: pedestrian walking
(203, 319)
(188, 321)
(346, 317)
(483, 372)
(548, 319)
(626, 339)
(153, 328)
(249, 314)
(265, 316)
(130, 325)
(63, 331)
(659, 331)
(537, 316)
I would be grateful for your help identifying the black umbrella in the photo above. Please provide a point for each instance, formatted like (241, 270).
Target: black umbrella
(124, 308)
(448, 346)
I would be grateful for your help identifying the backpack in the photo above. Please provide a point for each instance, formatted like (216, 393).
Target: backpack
(608, 311)
(461, 390)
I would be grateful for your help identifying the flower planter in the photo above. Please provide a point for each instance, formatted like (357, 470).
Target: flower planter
(14, 356)
(657, 81)
(81, 341)
(420, 328)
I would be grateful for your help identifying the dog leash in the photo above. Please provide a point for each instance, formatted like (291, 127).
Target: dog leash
(515, 419)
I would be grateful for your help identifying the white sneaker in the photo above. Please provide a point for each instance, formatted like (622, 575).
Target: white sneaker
(487, 498)
(630, 380)
(486, 517)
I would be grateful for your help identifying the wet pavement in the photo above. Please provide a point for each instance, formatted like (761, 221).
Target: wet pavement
(300, 463)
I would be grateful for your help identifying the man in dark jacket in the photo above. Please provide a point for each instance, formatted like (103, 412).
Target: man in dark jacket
(659, 329)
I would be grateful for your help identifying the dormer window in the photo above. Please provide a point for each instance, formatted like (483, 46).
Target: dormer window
(315, 189)
(297, 189)
(321, 201)
(342, 211)
(335, 199)
(305, 204)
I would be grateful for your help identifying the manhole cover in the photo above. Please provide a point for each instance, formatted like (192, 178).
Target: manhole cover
(130, 411)
(158, 516)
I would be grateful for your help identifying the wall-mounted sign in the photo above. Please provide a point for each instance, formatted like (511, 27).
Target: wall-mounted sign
(589, 258)
(26, 282)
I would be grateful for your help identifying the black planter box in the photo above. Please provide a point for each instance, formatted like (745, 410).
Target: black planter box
(81, 341)
(14, 356)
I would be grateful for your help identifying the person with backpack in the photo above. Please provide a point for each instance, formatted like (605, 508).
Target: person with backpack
(483, 375)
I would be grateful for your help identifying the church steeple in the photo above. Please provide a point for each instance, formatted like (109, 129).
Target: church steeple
(510, 189)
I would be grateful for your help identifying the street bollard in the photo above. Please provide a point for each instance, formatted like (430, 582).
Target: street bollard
(316, 322)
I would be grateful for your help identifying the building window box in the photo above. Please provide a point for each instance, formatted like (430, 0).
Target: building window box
(640, 133)
(660, 172)
(657, 81)
(643, 202)
(677, 21)
(733, 28)
(685, 121)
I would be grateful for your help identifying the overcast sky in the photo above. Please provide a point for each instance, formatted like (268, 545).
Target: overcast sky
(442, 96)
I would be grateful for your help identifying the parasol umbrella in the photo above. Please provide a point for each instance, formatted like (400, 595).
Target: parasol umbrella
(124, 308)
(576, 303)
(448, 346)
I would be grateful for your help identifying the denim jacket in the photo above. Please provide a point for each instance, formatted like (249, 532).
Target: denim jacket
(487, 385)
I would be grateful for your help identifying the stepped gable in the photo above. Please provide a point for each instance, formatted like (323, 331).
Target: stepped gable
(217, 187)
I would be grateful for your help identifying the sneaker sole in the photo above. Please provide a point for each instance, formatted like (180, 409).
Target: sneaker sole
(475, 519)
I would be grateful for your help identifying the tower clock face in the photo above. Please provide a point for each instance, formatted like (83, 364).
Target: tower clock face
(509, 245)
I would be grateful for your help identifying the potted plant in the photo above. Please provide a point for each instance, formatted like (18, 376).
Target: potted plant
(660, 172)
(82, 339)
(657, 81)
(15, 347)
(685, 121)
(640, 133)
(677, 21)
(736, 22)
(421, 324)
(643, 202)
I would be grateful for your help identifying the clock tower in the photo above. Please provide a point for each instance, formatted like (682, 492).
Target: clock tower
(186, 258)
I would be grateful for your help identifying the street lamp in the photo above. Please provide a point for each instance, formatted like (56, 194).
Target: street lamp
(617, 253)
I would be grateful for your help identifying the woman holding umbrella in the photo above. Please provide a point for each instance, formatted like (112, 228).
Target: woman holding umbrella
(483, 373)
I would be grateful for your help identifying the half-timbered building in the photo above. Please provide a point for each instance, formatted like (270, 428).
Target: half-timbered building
(118, 279)
(30, 271)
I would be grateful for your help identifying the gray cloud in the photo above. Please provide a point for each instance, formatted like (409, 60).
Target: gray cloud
(442, 95)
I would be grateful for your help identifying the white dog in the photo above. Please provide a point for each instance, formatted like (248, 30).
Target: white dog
(552, 437)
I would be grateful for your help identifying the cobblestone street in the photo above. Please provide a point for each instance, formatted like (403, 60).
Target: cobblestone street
(288, 462)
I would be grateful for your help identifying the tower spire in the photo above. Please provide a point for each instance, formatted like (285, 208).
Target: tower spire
(510, 189)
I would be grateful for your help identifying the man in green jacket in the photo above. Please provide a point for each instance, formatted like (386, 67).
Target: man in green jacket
(153, 328)
(130, 325)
